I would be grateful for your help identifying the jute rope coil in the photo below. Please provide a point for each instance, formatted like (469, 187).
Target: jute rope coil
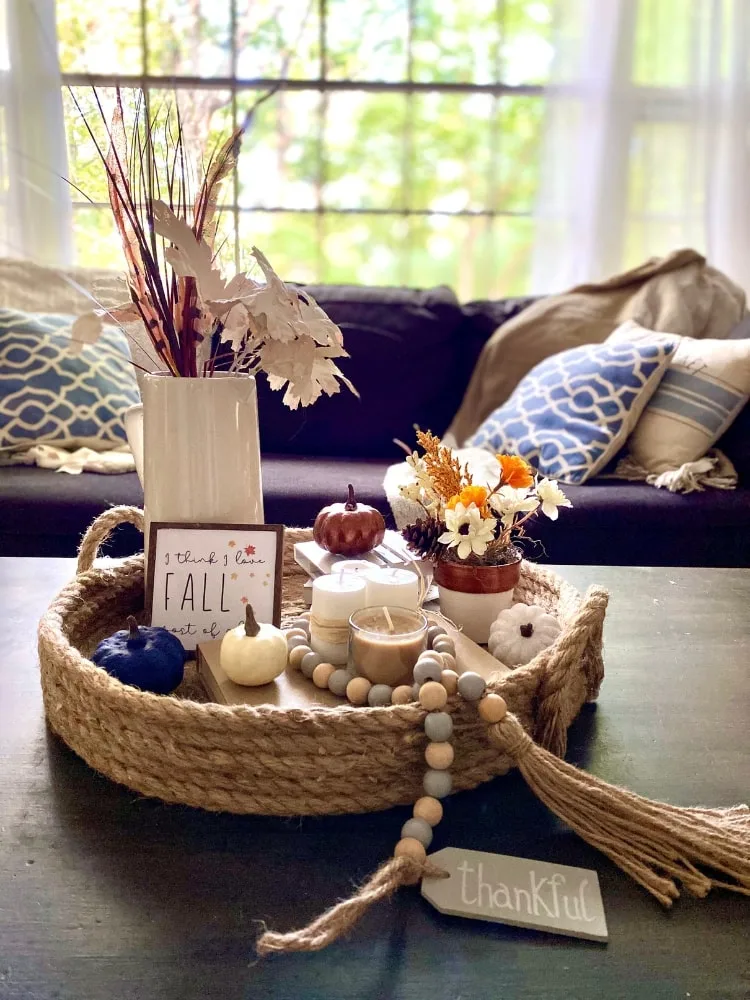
(287, 762)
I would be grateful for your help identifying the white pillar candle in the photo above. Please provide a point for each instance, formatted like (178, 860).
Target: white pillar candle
(334, 599)
(393, 588)
(355, 566)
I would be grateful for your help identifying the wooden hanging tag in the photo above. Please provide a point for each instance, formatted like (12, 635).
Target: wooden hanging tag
(509, 890)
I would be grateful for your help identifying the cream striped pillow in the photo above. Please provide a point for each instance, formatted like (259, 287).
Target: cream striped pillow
(704, 388)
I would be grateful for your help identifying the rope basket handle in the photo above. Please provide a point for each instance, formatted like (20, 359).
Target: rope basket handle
(99, 531)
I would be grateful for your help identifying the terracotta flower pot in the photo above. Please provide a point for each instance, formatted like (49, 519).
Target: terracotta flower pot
(472, 596)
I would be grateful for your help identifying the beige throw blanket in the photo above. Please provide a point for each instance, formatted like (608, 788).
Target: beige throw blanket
(74, 462)
(675, 294)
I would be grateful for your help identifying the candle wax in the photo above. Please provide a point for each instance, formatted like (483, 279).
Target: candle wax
(395, 588)
(334, 599)
(382, 656)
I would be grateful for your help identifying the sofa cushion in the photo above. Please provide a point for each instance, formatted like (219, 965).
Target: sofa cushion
(705, 386)
(631, 524)
(44, 513)
(49, 395)
(411, 357)
(572, 413)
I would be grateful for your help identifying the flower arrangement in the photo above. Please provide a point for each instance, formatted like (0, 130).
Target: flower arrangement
(466, 521)
(199, 321)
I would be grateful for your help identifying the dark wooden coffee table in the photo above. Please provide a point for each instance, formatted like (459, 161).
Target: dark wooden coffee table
(107, 896)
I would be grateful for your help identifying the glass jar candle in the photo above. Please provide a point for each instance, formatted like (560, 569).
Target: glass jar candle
(385, 643)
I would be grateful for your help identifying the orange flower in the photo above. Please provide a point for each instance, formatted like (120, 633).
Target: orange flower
(468, 495)
(516, 471)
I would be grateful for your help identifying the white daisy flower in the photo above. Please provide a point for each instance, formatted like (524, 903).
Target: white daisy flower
(551, 497)
(509, 501)
(467, 531)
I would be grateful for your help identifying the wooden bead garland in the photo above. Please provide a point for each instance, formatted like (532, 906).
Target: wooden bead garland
(435, 679)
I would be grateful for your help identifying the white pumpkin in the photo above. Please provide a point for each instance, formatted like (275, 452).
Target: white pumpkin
(253, 654)
(520, 632)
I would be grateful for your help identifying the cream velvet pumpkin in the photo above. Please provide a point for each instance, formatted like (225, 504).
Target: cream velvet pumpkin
(253, 654)
(520, 632)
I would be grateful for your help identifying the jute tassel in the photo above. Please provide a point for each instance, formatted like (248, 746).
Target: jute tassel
(340, 919)
(655, 843)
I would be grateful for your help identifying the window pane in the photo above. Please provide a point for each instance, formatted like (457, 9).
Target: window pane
(451, 151)
(85, 168)
(290, 240)
(95, 239)
(278, 38)
(367, 39)
(478, 257)
(101, 37)
(664, 43)
(364, 150)
(365, 249)
(456, 41)
(188, 37)
(278, 166)
(526, 48)
(518, 148)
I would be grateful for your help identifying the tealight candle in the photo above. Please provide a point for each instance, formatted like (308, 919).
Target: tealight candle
(393, 588)
(385, 643)
(334, 599)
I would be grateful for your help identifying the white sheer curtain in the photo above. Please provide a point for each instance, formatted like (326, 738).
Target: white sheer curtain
(35, 205)
(646, 144)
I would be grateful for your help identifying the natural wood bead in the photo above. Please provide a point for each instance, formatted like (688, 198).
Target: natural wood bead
(401, 694)
(439, 755)
(428, 809)
(297, 654)
(449, 680)
(449, 661)
(432, 696)
(357, 690)
(410, 847)
(492, 708)
(322, 674)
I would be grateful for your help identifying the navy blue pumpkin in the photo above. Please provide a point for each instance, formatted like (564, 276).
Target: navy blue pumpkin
(151, 659)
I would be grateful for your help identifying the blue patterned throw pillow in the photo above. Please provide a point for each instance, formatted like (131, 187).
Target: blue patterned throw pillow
(573, 412)
(50, 395)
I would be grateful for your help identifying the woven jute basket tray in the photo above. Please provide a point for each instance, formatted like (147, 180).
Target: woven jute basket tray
(273, 761)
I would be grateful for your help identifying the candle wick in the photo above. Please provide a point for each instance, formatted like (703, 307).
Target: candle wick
(388, 618)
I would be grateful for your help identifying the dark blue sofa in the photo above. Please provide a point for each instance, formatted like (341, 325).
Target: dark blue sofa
(412, 353)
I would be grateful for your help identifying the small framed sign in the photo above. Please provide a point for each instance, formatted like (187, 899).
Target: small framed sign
(200, 577)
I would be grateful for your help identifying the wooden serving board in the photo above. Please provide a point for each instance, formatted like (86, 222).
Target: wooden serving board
(293, 690)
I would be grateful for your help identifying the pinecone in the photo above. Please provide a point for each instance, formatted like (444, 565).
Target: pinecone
(422, 537)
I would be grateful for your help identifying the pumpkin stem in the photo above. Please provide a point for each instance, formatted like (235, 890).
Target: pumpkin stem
(134, 633)
(527, 630)
(251, 625)
(351, 503)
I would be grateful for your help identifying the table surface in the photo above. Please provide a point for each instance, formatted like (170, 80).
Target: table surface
(104, 894)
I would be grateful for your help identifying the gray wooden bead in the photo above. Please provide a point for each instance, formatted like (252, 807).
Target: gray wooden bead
(418, 828)
(429, 654)
(380, 694)
(338, 681)
(296, 640)
(415, 690)
(309, 663)
(438, 727)
(438, 784)
(471, 686)
(444, 645)
(302, 623)
(433, 632)
(427, 670)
